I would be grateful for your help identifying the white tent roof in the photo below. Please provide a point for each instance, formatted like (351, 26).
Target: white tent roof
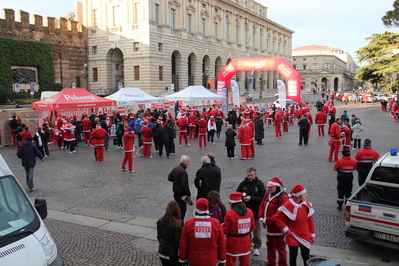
(194, 93)
(133, 96)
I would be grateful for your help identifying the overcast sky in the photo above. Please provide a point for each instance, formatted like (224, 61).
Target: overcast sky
(340, 24)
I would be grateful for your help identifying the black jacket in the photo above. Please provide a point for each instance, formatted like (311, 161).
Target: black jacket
(207, 178)
(259, 128)
(179, 178)
(168, 238)
(161, 134)
(256, 189)
(230, 138)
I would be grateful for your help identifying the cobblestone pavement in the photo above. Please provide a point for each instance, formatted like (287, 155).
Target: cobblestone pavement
(78, 180)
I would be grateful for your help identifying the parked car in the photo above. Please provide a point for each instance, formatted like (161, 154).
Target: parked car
(289, 102)
(248, 96)
(369, 97)
(380, 96)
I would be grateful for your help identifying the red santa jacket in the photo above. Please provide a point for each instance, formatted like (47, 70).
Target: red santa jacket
(310, 118)
(325, 109)
(213, 112)
(69, 132)
(297, 217)
(320, 118)
(97, 136)
(86, 125)
(202, 127)
(286, 117)
(335, 132)
(128, 142)
(244, 135)
(146, 133)
(192, 120)
(333, 110)
(277, 119)
(238, 223)
(182, 124)
(202, 242)
(267, 210)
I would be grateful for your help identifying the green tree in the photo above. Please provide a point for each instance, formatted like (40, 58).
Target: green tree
(382, 56)
(391, 18)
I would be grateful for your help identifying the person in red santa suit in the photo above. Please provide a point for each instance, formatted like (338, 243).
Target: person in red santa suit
(64, 135)
(277, 124)
(295, 219)
(69, 135)
(310, 119)
(394, 110)
(320, 120)
(202, 130)
(286, 120)
(275, 197)
(202, 241)
(192, 125)
(182, 125)
(331, 118)
(146, 133)
(238, 224)
(86, 127)
(244, 137)
(269, 116)
(129, 148)
(97, 136)
(291, 114)
(335, 140)
(346, 137)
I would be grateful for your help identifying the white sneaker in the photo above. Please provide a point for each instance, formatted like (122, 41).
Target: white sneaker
(256, 252)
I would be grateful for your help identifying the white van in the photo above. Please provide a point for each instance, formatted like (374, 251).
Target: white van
(24, 239)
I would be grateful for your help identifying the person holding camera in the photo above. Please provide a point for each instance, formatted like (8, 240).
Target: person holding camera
(253, 191)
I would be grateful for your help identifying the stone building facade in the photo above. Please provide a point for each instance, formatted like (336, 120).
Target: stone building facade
(324, 68)
(68, 40)
(154, 44)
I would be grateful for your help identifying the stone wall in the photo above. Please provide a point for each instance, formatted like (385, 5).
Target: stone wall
(69, 43)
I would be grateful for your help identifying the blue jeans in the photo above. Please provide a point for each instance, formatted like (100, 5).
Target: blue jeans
(29, 176)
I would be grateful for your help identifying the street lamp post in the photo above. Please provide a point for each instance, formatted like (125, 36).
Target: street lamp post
(86, 75)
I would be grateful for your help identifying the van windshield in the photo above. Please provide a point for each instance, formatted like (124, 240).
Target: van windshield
(16, 213)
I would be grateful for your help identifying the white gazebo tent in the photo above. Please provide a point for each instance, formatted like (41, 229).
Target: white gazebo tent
(194, 93)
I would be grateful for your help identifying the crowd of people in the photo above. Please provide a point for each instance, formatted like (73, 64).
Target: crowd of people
(216, 236)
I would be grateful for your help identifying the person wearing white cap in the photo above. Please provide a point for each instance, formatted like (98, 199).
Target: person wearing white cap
(238, 224)
(202, 241)
(274, 198)
(295, 220)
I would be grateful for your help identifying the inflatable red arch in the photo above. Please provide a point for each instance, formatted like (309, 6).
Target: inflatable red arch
(262, 64)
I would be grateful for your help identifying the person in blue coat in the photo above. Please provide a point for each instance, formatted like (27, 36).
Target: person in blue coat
(27, 153)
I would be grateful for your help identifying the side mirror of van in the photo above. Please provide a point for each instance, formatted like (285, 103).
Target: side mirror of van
(41, 207)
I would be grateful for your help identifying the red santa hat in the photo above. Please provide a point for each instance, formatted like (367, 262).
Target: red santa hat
(298, 190)
(126, 129)
(145, 123)
(275, 181)
(235, 197)
(98, 125)
(159, 122)
(202, 206)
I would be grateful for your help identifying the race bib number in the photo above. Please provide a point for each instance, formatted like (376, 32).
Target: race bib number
(203, 229)
(244, 225)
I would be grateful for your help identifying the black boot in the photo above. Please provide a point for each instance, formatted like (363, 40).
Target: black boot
(339, 202)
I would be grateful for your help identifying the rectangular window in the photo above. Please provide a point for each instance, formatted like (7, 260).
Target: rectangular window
(157, 14)
(94, 50)
(314, 66)
(189, 22)
(136, 46)
(136, 72)
(203, 27)
(160, 73)
(216, 30)
(172, 18)
(95, 17)
(78, 85)
(304, 67)
(117, 66)
(327, 66)
(116, 15)
(294, 66)
(203, 5)
(95, 74)
(160, 47)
